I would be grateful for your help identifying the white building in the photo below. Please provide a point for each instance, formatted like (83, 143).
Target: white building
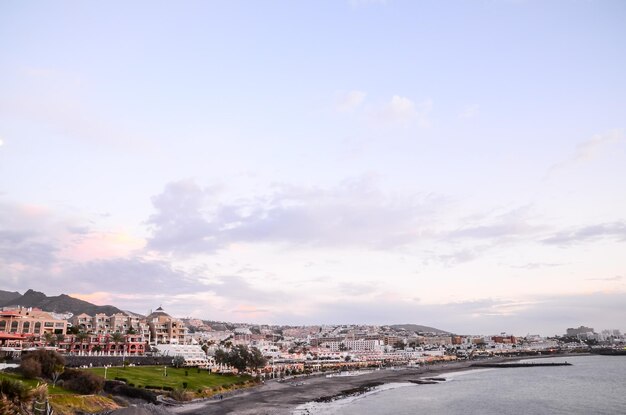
(193, 354)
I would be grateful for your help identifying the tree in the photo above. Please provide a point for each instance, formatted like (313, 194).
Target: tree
(81, 336)
(57, 371)
(256, 359)
(49, 361)
(117, 338)
(178, 361)
(73, 330)
(49, 339)
(238, 357)
(221, 357)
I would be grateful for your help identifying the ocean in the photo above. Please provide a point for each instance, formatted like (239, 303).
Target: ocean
(592, 385)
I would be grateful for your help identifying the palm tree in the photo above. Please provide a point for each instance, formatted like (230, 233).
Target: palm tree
(117, 337)
(81, 337)
(49, 338)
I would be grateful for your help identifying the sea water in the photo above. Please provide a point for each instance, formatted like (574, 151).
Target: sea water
(592, 385)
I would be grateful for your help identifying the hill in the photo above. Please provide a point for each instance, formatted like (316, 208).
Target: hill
(6, 296)
(61, 304)
(418, 329)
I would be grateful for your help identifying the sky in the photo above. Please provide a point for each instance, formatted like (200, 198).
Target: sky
(457, 164)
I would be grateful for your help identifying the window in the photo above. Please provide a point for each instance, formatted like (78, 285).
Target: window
(3, 325)
(48, 324)
(26, 327)
(37, 328)
(14, 327)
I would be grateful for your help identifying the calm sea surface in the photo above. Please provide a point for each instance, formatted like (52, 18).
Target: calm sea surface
(593, 385)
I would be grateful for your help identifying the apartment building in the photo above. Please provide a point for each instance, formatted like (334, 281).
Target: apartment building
(166, 329)
(116, 323)
(30, 321)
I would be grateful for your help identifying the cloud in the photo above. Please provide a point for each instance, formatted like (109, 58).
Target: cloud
(610, 279)
(536, 265)
(128, 275)
(349, 101)
(458, 257)
(236, 288)
(182, 222)
(589, 150)
(612, 230)
(191, 220)
(28, 235)
(404, 110)
(469, 112)
(510, 224)
(360, 3)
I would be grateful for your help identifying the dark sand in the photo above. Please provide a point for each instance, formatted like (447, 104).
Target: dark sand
(282, 398)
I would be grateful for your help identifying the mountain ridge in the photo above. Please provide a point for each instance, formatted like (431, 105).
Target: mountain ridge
(59, 304)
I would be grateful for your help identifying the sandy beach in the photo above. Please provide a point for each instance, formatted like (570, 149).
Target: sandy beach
(283, 397)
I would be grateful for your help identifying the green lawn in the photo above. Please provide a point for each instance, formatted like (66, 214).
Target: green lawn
(52, 390)
(154, 376)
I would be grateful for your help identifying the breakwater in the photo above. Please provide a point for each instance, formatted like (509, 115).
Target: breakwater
(506, 365)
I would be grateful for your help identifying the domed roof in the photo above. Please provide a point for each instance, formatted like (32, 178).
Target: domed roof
(158, 313)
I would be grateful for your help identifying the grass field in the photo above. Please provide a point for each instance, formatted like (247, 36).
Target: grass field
(52, 390)
(78, 404)
(155, 376)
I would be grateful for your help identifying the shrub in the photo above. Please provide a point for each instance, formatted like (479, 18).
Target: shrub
(30, 369)
(85, 383)
(14, 390)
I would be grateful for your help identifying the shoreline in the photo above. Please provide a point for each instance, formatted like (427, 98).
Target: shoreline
(278, 398)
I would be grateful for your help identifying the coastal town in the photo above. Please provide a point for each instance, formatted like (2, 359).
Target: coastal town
(68, 360)
(106, 339)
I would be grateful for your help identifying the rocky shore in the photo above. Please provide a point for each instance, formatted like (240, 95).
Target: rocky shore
(275, 397)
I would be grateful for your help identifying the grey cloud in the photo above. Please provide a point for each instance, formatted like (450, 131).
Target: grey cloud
(458, 257)
(613, 230)
(26, 248)
(190, 220)
(238, 288)
(180, 223)
(127, 276)
(510, 224)
(26, 239)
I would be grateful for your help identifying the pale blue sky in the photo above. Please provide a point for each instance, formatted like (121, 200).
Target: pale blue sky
(418, 160)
